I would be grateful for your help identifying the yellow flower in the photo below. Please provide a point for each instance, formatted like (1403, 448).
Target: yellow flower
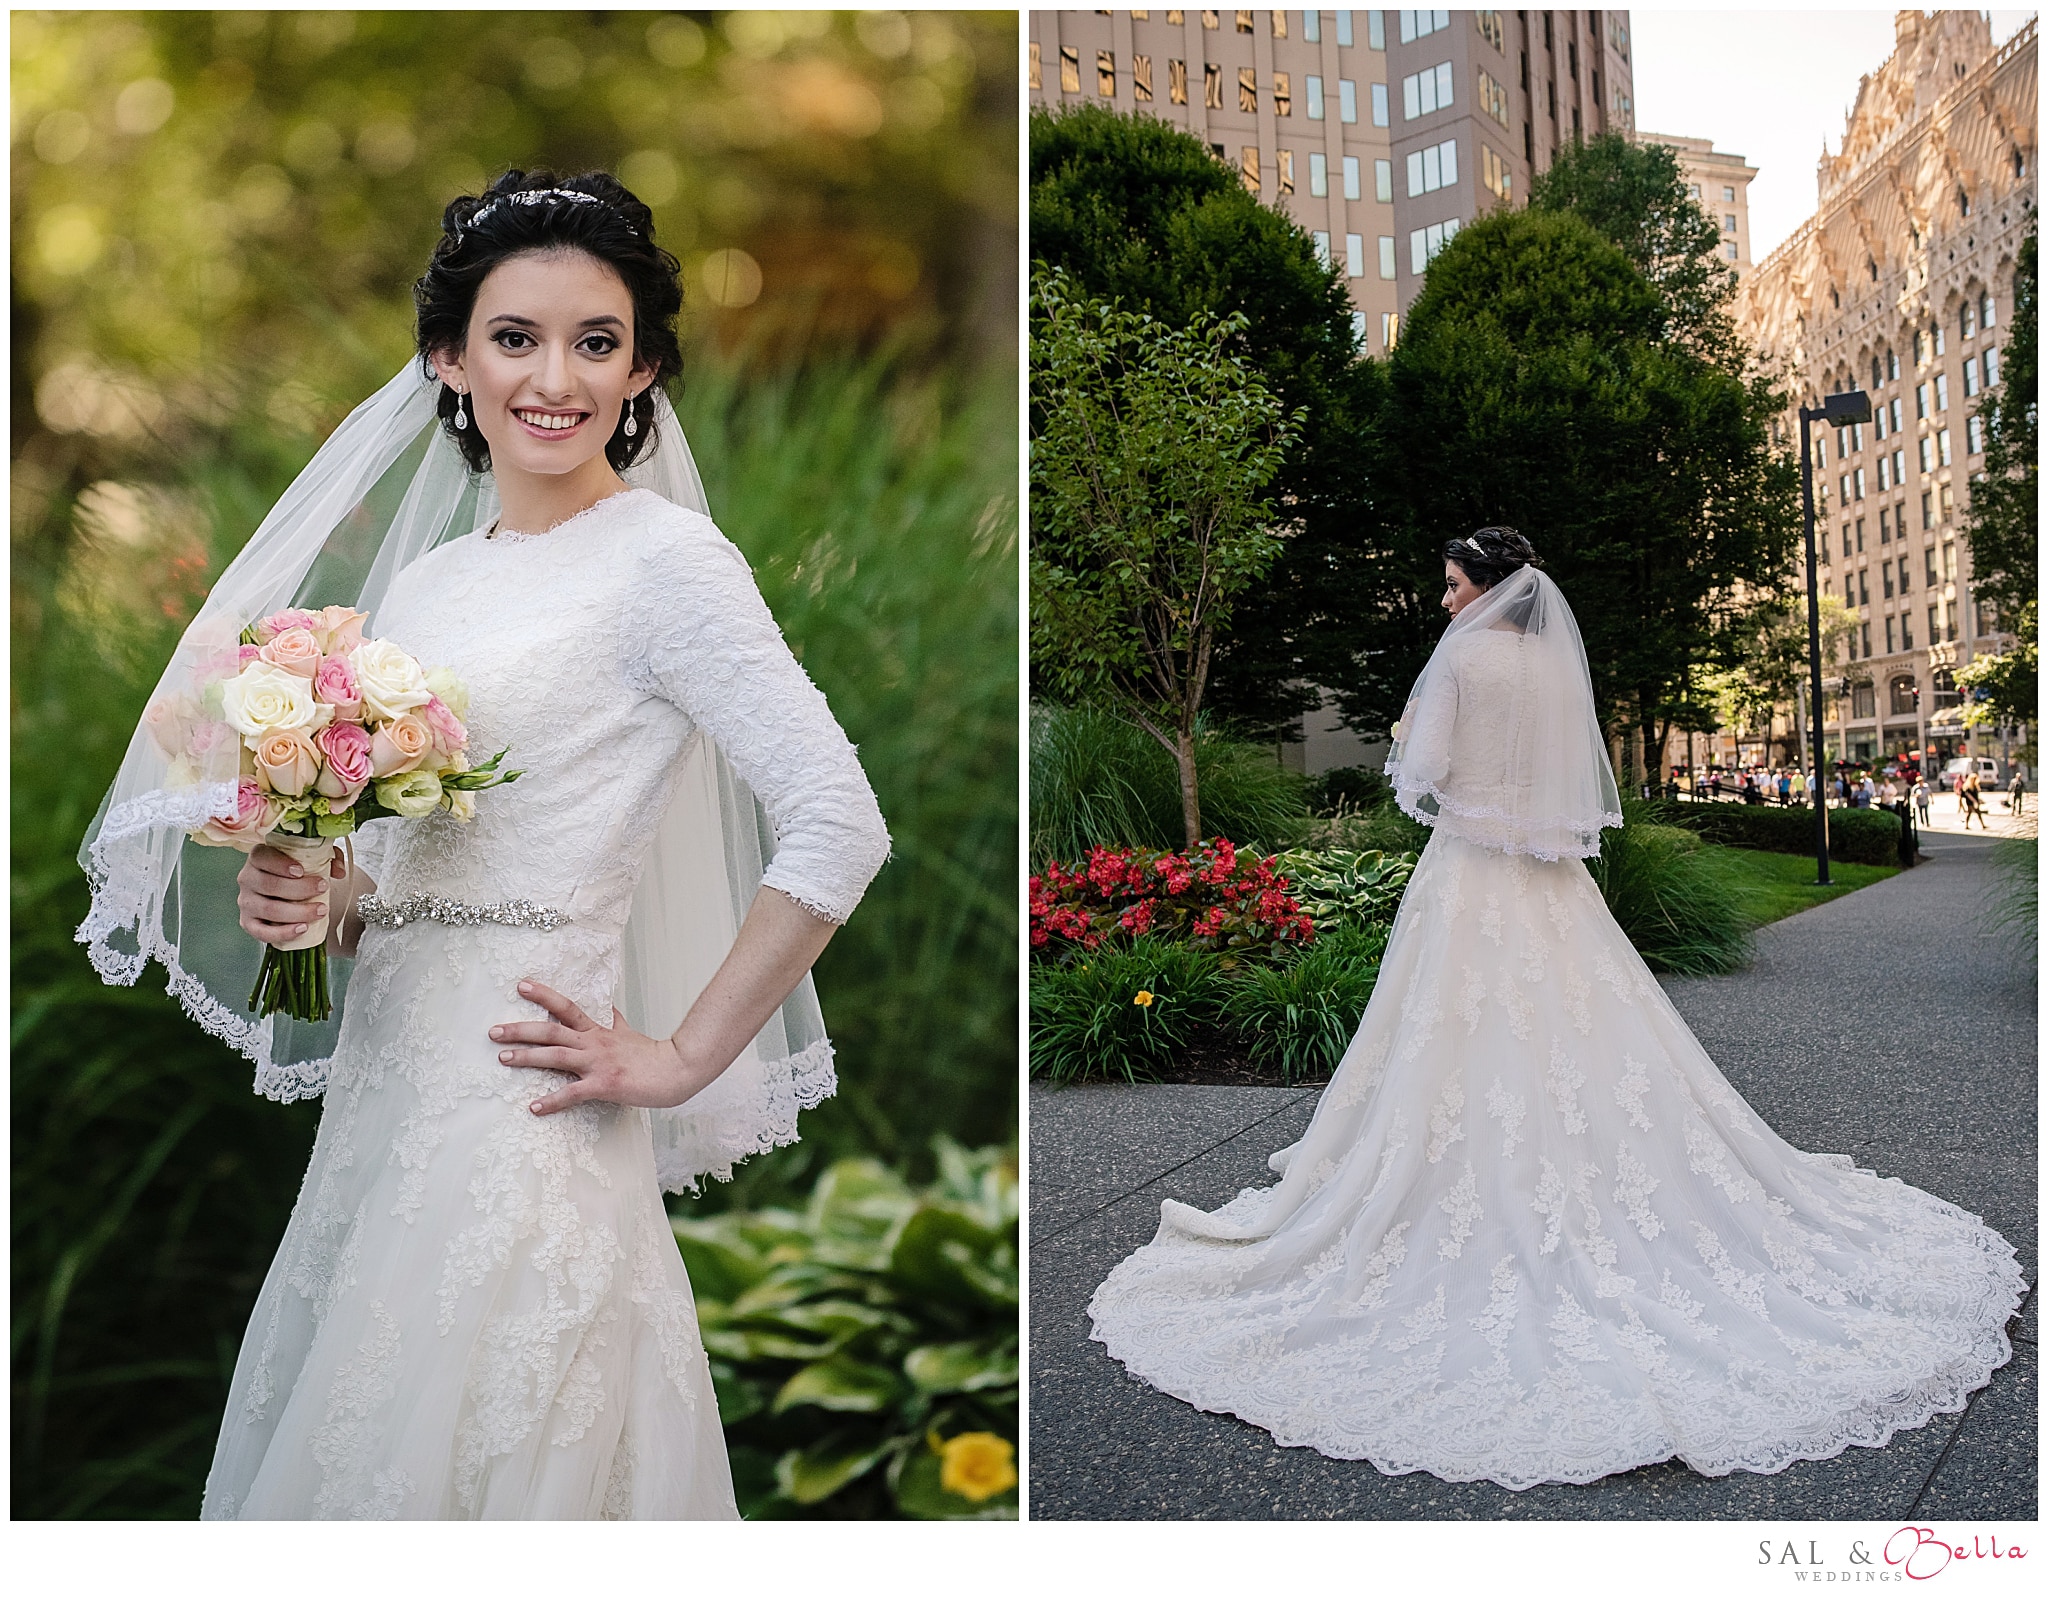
(1144, 997)
(976, 1466)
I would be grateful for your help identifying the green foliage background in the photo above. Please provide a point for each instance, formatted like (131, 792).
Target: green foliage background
(216, 218)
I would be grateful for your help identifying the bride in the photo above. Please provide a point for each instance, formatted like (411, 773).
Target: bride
(592, 990)
(1532, 1234)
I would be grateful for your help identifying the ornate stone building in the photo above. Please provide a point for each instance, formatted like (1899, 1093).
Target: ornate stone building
(1900, 284)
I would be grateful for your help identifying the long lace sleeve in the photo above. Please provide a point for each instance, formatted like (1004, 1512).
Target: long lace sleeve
(697, 633)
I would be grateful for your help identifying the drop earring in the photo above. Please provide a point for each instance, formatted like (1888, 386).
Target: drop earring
(461, 420)
(632, 423)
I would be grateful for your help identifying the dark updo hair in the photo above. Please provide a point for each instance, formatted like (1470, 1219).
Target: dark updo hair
(481, 231)
(1490, 554)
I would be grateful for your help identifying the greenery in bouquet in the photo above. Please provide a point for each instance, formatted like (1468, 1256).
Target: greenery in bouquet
(1208, 896)
(864, 1348)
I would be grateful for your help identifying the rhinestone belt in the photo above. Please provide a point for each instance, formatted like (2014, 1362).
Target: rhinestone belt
(457, 913)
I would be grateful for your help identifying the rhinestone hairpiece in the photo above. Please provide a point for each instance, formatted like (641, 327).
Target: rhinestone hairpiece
(378, 913)
(533, 197)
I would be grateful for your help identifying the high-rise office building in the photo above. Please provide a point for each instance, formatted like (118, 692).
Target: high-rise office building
(1720, 183)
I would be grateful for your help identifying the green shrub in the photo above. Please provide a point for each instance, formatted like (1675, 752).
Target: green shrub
(1299, 1015)
(1346, 887)
(1679, 901)
(1871, 837)
(1120, 1012)
(851, 1340)
(1381, 826)
(1341, 790)
(1096, 779)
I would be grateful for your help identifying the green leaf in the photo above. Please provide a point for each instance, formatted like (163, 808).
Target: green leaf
(840, 1383)
(821, 1471)
(964, 1367)
(948, 1256)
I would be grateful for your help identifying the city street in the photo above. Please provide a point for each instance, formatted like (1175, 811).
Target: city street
(1894, 1024)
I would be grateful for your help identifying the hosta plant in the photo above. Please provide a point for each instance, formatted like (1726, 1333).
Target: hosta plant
(1336, 888)
(864, 1348)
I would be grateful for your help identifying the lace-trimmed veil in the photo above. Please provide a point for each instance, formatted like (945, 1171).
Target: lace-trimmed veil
(385, 488)
(1559, 788)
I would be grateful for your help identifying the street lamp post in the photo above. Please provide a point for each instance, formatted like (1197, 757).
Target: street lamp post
(1838, 411)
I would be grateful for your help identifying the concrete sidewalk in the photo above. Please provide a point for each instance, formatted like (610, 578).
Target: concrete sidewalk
(1886, 1024)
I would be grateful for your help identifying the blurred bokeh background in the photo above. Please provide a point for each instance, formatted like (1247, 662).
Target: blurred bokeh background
(217, 218)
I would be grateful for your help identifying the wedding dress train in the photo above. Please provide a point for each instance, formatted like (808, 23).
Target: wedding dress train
(1532, 1233)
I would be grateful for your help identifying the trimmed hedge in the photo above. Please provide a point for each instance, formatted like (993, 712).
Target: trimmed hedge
(1871, 837)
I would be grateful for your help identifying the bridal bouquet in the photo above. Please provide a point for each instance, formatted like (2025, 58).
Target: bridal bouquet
(334, 730)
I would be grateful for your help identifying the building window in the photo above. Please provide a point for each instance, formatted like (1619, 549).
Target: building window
(1891, 367)
(1934, 637)
(1354, 255)
(1424, 92)
(1730, 251)
(1940, 340)
(1890, 641)
(1352, 191)
(1286, 171)
(1905, 568)
(1877, 376)
(1879, 416)
(1963, 198)
(1421, 24)
(1387, 257)
(1248, 166)
(1283, 92)
(1344, 29)
(1358, 329)
(1859, 483)
(1933, 577)
(1212, 20)
(1969, 377)
(1902, 687)
(1897, 409)
(1692, 191)
(1941, 447)
(1941, 391)
(1383, 182)
(1379, 105)
(1424, 243)
(1347, 100)
(1312, 26)
(1035, 70)
(1864, 695)
(1728, 223)
(1433, 168)
(1141, 79)
(1376, 29)
(1496, 173)
(1989, 309)
(1990, 365)
(1884, 473)
(1899, 468)
(1968, 320)
(1244, 22)
(1887, 580)
(1846, 496)
(1318, 174)
(1177, 82)
(1105, 74)
(1070, 69)
(1212, 86)
(1322, 247)
(1279, 24)
(1728, 196)
(1315, 98)
(1390, 329)
(1859, 542)
(1973, 433)
(1927, 509)
(1248, 89)
(1919, 397)
(1493, 97)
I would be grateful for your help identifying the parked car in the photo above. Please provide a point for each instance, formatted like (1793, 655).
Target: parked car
(1988, 775)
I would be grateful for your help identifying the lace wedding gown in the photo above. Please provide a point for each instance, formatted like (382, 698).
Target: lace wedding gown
(477, 1312)
(1533, 1235)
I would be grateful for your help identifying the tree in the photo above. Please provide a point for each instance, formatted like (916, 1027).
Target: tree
(1535, 386)
(1150, 447)
(1760, 662)
(2003, 525)
(1141, 213)
(1634, 195)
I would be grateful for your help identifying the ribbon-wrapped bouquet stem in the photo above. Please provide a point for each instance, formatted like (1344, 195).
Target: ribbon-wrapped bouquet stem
(334, 730)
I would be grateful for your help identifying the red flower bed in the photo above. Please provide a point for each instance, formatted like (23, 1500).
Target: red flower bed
(1207, 897)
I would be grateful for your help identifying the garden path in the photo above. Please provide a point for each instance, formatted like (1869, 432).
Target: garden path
(1892, 1023)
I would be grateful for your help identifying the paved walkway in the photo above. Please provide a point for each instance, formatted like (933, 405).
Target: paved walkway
(1885, 1024)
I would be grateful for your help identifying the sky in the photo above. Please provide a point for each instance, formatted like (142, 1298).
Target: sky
(1769, 86)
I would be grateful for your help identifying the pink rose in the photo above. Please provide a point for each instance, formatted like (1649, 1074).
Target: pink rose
(340, 630)
(246, 653)
(295, 650)
(334, 684)
(255, 815)
(446, 727)
(209, 737)
(399, 746)
(170, 723)
(346, 745)
(287, 761)
(283, 622)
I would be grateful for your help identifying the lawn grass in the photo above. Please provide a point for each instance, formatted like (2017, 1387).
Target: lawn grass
(1775, 885)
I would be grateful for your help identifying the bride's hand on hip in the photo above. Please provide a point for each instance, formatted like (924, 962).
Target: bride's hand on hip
(613, 1064)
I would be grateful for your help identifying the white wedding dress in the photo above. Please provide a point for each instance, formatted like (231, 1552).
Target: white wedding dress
(477, 1312)
(1532, 1234)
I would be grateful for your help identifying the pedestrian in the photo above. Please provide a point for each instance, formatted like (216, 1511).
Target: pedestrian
(1797, 787)
(1784, 788)
(1867, 795)
(1973, 803)
(1920, 800)
(2016, 801)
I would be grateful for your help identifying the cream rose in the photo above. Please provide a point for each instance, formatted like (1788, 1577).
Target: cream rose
(461, 805)
(295, 650)
(389, 681)
(340, 630)
(453, 693)
(287, 761)
(268, 699)
(170, 722)
(399, 745)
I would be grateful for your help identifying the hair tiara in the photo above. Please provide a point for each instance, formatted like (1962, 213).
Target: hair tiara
(533, 197)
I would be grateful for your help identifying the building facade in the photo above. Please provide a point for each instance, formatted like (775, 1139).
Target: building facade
(1720, 183)
(1379, 132)
(1900, 284)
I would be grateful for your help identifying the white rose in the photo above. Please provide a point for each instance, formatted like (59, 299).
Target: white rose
(264, 699)
(451, 689)
(390, 680)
